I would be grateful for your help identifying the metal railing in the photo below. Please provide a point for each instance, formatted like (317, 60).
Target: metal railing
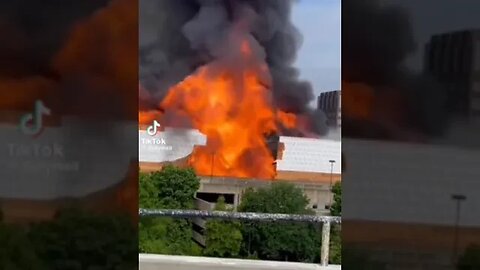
(326, 221)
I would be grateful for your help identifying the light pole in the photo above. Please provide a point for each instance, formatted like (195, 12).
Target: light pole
(331, 181)
(459, 198)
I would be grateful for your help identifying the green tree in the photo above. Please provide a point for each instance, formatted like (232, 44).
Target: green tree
(223, 238)
(336, 208)
(470, 259)
(147, 195)
(279, 241)
(16, 251)
(360, 259)
(336, 231)
(336, 245)
(80, 240)
(171, 188)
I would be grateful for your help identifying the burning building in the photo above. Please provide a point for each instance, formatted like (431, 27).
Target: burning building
(224, 68)
(398, 194)
(293, 158)
(67, 56)
(382, 97)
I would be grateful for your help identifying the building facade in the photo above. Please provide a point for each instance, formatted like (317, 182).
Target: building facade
(70, 166)
(330, 103)
(453, 59)
(402, 212)
(314, 165)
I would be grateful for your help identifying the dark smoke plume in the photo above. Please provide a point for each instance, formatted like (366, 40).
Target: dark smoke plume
(376, 39)
(38, 60)
(176, 37)
(38, 57)
(33, 31)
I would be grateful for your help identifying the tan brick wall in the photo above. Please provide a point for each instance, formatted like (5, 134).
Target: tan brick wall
(418, 237)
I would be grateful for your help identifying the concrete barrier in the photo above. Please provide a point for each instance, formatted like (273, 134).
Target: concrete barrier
(166, 262)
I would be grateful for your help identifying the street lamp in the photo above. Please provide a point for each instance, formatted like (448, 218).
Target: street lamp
(331, 181)
(459, 198)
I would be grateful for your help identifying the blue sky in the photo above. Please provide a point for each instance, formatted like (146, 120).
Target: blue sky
(319, 57)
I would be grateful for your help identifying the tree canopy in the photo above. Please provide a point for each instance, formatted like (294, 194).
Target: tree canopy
(470, 259)
(336, 208)
(75, 239)
(279, 241)
(223, 238)
(171, 188)
(336, 231)
(16, 250)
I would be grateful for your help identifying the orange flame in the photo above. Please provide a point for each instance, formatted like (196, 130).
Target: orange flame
(231, 105)
(289, 120)
(145, 117)
(103, 48)
(357, 101)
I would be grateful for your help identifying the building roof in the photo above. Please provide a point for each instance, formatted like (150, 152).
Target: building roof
(307, 158)
(74, 159)
(309, 155)
(169, 145)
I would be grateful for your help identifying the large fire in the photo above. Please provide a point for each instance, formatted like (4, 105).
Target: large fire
(230, 101)
(361, 102)
(383, 112)
(357, 101)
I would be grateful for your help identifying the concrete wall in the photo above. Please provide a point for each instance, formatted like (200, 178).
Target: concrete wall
(201, 222)
(387, 186)
(397, 201)
(318, 193)
(164, 262)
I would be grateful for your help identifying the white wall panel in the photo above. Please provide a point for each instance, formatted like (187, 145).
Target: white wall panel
(310, 155)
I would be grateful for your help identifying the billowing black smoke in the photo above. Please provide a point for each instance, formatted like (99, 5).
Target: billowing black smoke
(176, 38)
(32, 35)
(33, 31)
(377, 37)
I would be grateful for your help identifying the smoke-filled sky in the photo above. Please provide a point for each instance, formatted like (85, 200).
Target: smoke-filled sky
(178, 37)
(447, 16)
(318, 59)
